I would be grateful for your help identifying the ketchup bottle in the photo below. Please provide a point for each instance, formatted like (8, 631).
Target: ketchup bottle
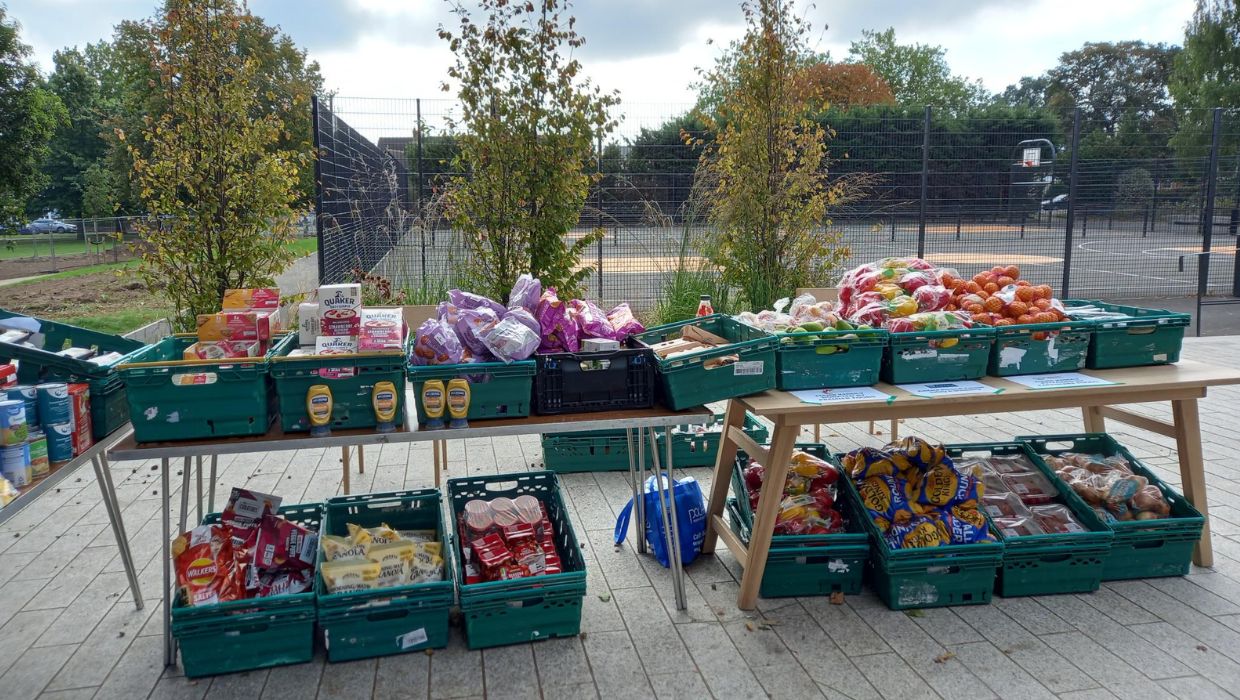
(704, 307)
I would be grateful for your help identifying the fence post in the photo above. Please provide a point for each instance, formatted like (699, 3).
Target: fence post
(598, 211)
(421, 212)
(925, 178)
(1207, 215)
(1071, 215)
(318, 181)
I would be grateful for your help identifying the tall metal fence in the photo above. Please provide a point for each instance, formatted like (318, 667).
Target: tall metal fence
(1132, 211)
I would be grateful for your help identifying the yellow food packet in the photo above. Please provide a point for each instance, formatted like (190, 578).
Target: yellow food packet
(337, 547)
(383, 534)
(350, 575)
(394, 560)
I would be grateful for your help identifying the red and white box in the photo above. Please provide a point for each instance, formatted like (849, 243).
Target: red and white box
(340, 309)
(381, 330)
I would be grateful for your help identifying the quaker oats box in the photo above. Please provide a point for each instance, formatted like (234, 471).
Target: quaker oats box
(335, 345)
(340, 308)
(381, 330)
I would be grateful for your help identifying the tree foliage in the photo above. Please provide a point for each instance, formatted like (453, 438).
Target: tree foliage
(210, 172)
(765, 171)
(917, 74)
(526, 143)
(29, 117)
(79, 141)
(844, 85)
(1111, 81)
(1206, 73)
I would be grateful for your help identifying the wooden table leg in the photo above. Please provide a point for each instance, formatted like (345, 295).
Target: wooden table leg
(724, 462)
(1193, 471)
(895, 429)
(782, 441)
(344, 460)
(1094, 422)
(361, 459)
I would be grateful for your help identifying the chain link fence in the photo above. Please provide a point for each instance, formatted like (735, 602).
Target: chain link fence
(1130, 212)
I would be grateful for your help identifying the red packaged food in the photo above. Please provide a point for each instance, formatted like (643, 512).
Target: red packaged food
(1032, 487)
(284, 544)
(492, 554)
(206, 569)
(1010, 464)
(1004, 505)
(477, 519)
(1018, 527)
(284, 583)
(244, 512)
(504, 511)
(1056, 519)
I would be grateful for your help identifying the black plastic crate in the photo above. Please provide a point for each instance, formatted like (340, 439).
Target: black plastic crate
(579, 382)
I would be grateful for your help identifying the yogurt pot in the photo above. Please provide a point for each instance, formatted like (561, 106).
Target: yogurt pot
(13, 429)
(55, 406)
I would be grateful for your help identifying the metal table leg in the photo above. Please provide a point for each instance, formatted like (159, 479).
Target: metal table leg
(198, 475)
(170, 652)
(635, 481)
(211, 486)
(185, 469)
(640, 506)
(665, 490)
(103, 475)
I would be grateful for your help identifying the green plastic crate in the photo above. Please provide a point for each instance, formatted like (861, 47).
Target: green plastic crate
(393, 620)
(1141, 548)
(1038, 348)
(175, 399)
(687, 382)
(937, 356)
(248, 634)
(608, 450)
(352, 399)
(1146, 337)
(496, 389)
(497, 613)
(1070, 562)
(698, 450)
(35, 363)
(804, 565)
(818, 360)
(932, 577)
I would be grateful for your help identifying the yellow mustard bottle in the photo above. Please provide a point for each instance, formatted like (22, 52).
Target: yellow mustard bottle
(433, 403)
(319, 410)
(383, 398)
(458, 403)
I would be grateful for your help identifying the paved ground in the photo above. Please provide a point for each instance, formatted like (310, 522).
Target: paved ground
(69, 631)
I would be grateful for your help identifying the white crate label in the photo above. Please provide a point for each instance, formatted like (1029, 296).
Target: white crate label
(836, 566)
(412, 639)
(750, 368)
(1160, 357)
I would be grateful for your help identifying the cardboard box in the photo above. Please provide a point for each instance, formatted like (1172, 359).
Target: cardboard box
(256, 299)
(335, 345)
(82, 439)
(79, 398)
(235, 325)
(381, 330)
(221, 349)
(340, 307)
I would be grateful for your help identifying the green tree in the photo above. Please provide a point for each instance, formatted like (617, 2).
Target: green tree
(29, 116)
(1206, 73)
(1111, 81)
(526, 138)
(98, 197)
(917, 74)
(1028, 92)
(220, 191)
(765, 172)
(79, 142)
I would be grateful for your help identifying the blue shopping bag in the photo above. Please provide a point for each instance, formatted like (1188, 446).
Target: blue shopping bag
(690, 519)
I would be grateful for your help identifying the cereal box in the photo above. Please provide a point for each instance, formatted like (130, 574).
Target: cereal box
(307, 323)
(381, 330)
(335, 345)
(221, 349)
(257, 299)
(234, 325)
(79, 397)
(340, 307)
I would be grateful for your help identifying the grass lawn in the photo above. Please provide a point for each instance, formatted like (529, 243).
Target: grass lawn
(118, 322)
(40, 245)
(304, 246)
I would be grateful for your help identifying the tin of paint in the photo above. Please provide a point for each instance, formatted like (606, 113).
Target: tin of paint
(59, 442)
(29, 394)
(55, 407)
(13, 429)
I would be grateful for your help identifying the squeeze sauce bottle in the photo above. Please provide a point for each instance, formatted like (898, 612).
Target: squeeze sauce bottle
(458, 403)
(433, 403)
(383, 398)
(319, 410)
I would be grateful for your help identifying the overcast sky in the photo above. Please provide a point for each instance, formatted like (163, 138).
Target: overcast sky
(647, 49)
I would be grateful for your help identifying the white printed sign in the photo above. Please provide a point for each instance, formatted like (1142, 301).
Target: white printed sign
(960, 388)
(841, 395)
(1059, 380)
(412, 639)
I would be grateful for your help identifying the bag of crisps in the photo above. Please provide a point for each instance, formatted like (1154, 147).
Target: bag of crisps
(206, 568)
(920, 531)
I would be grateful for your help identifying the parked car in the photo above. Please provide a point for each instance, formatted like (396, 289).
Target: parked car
(1059, 201)
(49, 226)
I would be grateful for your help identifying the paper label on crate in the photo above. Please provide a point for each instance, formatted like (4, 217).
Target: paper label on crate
(749, 368)
(1059, 380)
(841, 395)
(936, 389)
(412, 639)
(1160, 357)
(837, 566)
